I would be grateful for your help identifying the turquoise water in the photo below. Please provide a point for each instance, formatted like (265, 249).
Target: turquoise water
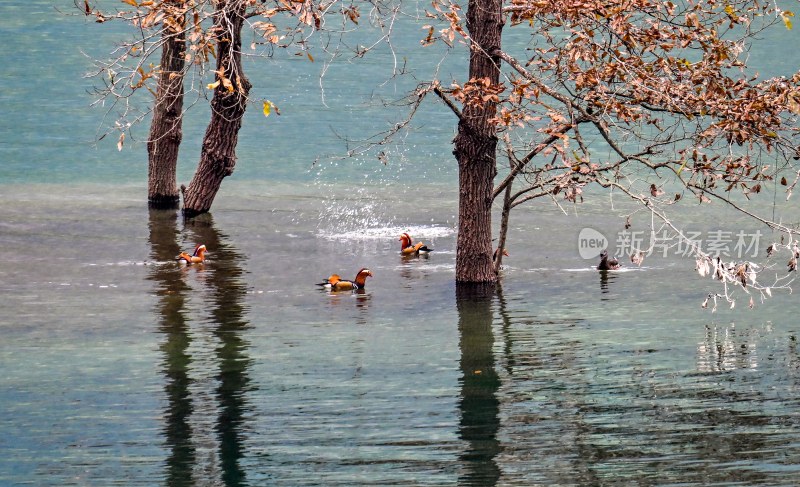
(122, 368)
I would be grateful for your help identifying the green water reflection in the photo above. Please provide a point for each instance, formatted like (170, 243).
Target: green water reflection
(479, 404)
(222, 290)
(172, 291)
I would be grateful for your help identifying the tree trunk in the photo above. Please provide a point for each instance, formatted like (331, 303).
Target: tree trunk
(475, 148)
(504, 217)
(218, 154)
(165, 129)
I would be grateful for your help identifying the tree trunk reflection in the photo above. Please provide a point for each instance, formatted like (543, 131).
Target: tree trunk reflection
(479, 405)
(219, 285)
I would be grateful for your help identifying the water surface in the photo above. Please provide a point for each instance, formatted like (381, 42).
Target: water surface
(122, 368)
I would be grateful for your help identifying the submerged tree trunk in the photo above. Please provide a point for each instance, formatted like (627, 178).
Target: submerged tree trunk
(165, 129)
(218, 154)
(475, 148)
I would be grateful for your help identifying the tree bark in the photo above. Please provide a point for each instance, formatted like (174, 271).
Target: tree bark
(475, 148)
(218, 154)
(504, 217)
(166, 128)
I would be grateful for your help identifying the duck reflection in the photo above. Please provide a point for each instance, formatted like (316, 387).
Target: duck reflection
(223, 290)
(479, 405)
(606, 278)
(345, 298)
(362, 304)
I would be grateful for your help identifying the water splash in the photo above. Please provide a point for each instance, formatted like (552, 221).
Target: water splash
(380, 207)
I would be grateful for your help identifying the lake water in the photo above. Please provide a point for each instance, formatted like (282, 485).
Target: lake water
(121, 368)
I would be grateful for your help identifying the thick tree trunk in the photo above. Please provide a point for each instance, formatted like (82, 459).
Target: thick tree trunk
(475, 148)
(165, 130)
(218, 154)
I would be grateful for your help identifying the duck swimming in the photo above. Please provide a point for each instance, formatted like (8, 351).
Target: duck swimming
(408, 248)
(336, 283)
(608, 263)
(198, 257)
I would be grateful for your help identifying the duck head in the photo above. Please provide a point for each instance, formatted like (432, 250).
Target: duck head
(200, 250)
(361, 277)
(405, 241)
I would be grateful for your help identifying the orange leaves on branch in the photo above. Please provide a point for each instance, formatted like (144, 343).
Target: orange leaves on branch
(507, 117)
(201, 46)
(693, 21)
(429, 39)
(143, 77)
(793, 102)
(786, 16)
(222, 80)
(478, 92)
(226, 83)
(267, 31)
(306, 13)
(268, 107)
(352, 13)
(450, 15)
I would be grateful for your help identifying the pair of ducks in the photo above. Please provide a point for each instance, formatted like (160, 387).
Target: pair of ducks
(334, 282)
(407, 249)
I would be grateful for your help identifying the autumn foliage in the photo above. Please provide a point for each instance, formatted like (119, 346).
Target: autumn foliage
(636, 96)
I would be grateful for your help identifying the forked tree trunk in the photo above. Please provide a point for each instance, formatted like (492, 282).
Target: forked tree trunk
(475, 148)
(218, 154)
(165, 129)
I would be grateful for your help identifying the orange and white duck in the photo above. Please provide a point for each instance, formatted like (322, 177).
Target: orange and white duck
(198, 257)
(336, 283)
(409, 248)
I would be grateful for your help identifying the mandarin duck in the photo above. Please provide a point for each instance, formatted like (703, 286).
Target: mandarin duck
(336, 283)
(198, 257)
(409, 248)
(608, 263)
